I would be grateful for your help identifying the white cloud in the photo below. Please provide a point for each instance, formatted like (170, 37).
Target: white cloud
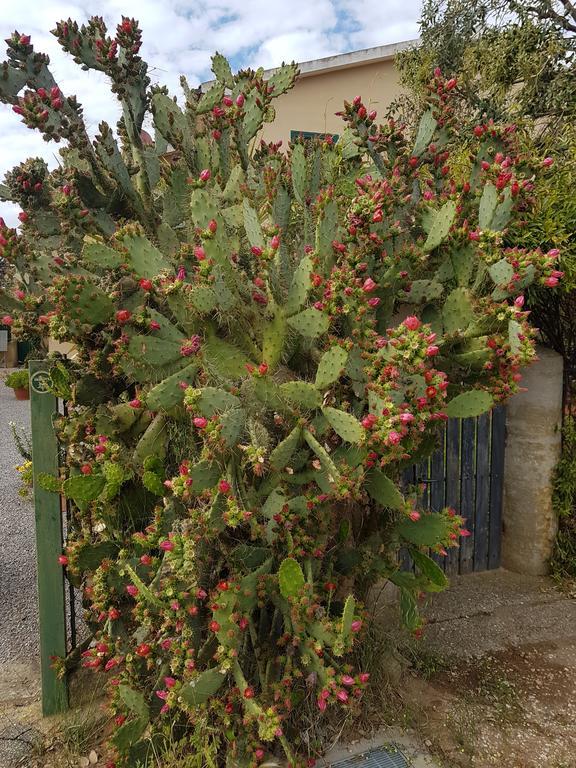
(179, 37)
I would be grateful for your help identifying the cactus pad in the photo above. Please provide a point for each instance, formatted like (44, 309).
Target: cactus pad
(426, 129)
(383, 490)
(468, 404)
(331, 366)
(300, 287)
(285, 449)
(283, 79)
(457, 312)
(144, 258)
(169, 393)
(252, 226)
(438, 224)
(345, 425)
(501, 272)
(301, 393)
(487, 208)
(290, 578)
(95, 252)
(83, 301)
(310, 323)
(326, 462)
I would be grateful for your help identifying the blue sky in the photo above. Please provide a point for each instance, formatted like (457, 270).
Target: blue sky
(180, 36)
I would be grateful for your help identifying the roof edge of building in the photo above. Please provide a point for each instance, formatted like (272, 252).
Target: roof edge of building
(344, 60)
(349, 60)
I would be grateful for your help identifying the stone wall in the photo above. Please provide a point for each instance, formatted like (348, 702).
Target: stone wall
(533, 425)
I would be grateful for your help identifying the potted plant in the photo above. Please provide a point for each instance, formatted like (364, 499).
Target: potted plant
(18, 381)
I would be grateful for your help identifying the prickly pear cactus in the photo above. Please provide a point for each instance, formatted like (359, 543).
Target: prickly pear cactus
(244, 392)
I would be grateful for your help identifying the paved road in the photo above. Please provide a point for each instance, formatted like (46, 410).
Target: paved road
(18, 612)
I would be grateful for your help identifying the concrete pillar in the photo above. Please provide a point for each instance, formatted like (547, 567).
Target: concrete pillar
(12, 355)
(533, 425)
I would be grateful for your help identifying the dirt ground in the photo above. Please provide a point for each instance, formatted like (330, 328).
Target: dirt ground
(494, 681)
(491, 684)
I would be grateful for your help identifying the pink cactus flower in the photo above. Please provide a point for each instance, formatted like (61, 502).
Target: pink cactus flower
(412, 323)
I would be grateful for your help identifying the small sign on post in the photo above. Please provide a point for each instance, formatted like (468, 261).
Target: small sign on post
(51, 601)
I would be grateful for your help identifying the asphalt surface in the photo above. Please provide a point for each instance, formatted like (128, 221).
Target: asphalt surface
(18, 596)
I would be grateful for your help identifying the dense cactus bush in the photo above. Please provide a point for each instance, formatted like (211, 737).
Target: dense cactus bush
(263, 340)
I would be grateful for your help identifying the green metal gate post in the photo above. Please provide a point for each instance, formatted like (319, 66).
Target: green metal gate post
(51, 601)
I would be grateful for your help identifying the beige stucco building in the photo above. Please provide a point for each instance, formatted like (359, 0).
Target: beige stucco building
(323, 86)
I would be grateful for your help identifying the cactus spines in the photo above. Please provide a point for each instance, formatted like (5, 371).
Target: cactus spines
(152, 442)
(348, 617)
(273, 339)
(211, 400)
(252, 121)
(155, 351)
(327, 230)
(233, 424)
(514, 335)
(383, 490)
(143, 256)
(172, 125)
(247, 371)
(204, 299)
(463, 263)
(204, 474)
(503, 211)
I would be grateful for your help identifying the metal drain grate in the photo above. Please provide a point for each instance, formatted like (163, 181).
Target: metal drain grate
(381, 757)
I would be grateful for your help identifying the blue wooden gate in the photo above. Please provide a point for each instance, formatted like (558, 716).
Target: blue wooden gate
(467, 472)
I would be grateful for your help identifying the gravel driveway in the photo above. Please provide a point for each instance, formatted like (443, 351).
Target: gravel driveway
(19, 616)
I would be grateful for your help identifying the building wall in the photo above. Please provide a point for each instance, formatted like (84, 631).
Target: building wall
(311, 104)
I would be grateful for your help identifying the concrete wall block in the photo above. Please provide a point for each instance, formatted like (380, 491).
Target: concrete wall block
(533, 442)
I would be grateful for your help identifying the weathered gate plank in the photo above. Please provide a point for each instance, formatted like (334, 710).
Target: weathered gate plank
(482, 519)
(468, 439)
(453, 484)
(438, 484)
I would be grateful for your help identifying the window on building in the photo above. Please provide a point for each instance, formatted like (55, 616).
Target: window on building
(306, 135)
